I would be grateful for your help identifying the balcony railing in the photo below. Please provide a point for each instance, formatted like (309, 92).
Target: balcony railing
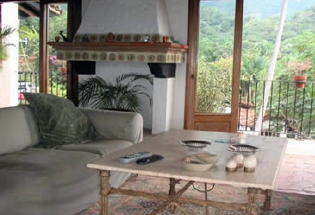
(290, 110)
(29, 82)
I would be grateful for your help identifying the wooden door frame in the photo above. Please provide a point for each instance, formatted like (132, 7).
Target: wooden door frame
(192, 65)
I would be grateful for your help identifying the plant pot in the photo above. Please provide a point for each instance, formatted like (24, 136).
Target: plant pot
(300, 81)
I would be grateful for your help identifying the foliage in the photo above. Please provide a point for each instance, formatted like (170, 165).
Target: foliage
(216, 42)
(29, 49)
(211, 78)
(298, 68)
(259, 34)
(4, 33)
(123, 94)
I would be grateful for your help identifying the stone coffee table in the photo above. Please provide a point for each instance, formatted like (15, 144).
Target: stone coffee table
(167, 144)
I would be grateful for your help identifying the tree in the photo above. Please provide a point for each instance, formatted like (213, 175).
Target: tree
(211, 96)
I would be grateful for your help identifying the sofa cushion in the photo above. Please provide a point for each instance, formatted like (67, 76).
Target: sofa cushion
(59, 121)
(100, 147)
(50, 182)
(18, 129)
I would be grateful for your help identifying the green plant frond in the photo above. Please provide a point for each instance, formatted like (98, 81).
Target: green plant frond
(144, 77)
(106, 102)
(132, 103)
(146, 95)
(91, 89)
(134, 77)
(6, 31)
(120, 95)
(139, 87)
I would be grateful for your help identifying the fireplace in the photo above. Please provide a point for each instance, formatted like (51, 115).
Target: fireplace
(125, 36)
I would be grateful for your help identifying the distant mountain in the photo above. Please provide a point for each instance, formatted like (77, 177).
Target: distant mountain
(261, 8)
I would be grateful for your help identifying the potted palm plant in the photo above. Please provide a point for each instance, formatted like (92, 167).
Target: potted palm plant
(299, 69)
(4, 32)
(122, 95)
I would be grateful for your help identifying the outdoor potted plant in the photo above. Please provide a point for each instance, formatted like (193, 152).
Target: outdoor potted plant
(299, 69)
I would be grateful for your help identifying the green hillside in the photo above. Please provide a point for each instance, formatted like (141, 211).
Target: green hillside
(259, 34)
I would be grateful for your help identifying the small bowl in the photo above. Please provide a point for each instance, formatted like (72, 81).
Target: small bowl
(199, 162)
(195, 145)
(207, 157)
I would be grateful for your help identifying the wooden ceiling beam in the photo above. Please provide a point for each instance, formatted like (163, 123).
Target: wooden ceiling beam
(44, 1)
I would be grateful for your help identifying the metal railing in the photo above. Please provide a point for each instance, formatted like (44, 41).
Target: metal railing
(29, 82)
(289, 111)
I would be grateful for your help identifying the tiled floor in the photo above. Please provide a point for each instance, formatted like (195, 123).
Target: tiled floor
(297, 173)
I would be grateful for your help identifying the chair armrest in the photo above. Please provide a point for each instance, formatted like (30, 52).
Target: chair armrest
(117, 125)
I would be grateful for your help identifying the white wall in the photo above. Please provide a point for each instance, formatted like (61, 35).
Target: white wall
(121, 16)
(9, 71)
(178, 18)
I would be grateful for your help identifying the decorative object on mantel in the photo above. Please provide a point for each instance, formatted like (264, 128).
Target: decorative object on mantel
(147, 48)
(65, 39)
(110, 37)
(57, 38)
(122, 95)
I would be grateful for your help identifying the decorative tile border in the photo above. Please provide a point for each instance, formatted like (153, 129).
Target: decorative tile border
(146, 57)
(121, 38)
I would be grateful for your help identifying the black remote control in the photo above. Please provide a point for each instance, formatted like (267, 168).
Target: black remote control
(151, 159)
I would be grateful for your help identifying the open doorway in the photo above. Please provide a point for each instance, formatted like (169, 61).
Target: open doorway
(238, 41)
(278, 47)
(21, 70)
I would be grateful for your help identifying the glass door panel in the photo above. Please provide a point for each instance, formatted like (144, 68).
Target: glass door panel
(215, 57)
(57, 25)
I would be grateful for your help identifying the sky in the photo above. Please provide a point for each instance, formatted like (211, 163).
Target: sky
(262, 8)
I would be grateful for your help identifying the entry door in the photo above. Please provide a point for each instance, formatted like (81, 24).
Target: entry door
(213, 65)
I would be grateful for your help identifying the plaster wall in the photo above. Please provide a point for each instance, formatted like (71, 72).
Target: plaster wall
(9, 70)
(121, 16)
(178, 17)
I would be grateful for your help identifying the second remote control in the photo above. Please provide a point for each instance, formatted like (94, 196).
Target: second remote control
(148, 160)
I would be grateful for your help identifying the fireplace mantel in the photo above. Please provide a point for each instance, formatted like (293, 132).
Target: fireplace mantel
(148, 52)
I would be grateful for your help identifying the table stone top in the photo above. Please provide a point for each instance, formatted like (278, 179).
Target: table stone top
(269, 159)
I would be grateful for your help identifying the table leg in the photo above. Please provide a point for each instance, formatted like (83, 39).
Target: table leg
(105, 189)
(267, 202)
(206, 198)
(252, 198)
(172, 192)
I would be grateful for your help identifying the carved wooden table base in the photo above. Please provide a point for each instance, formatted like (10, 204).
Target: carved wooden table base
(174, 200)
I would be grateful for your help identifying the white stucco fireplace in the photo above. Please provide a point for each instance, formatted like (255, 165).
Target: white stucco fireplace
(143, 17)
